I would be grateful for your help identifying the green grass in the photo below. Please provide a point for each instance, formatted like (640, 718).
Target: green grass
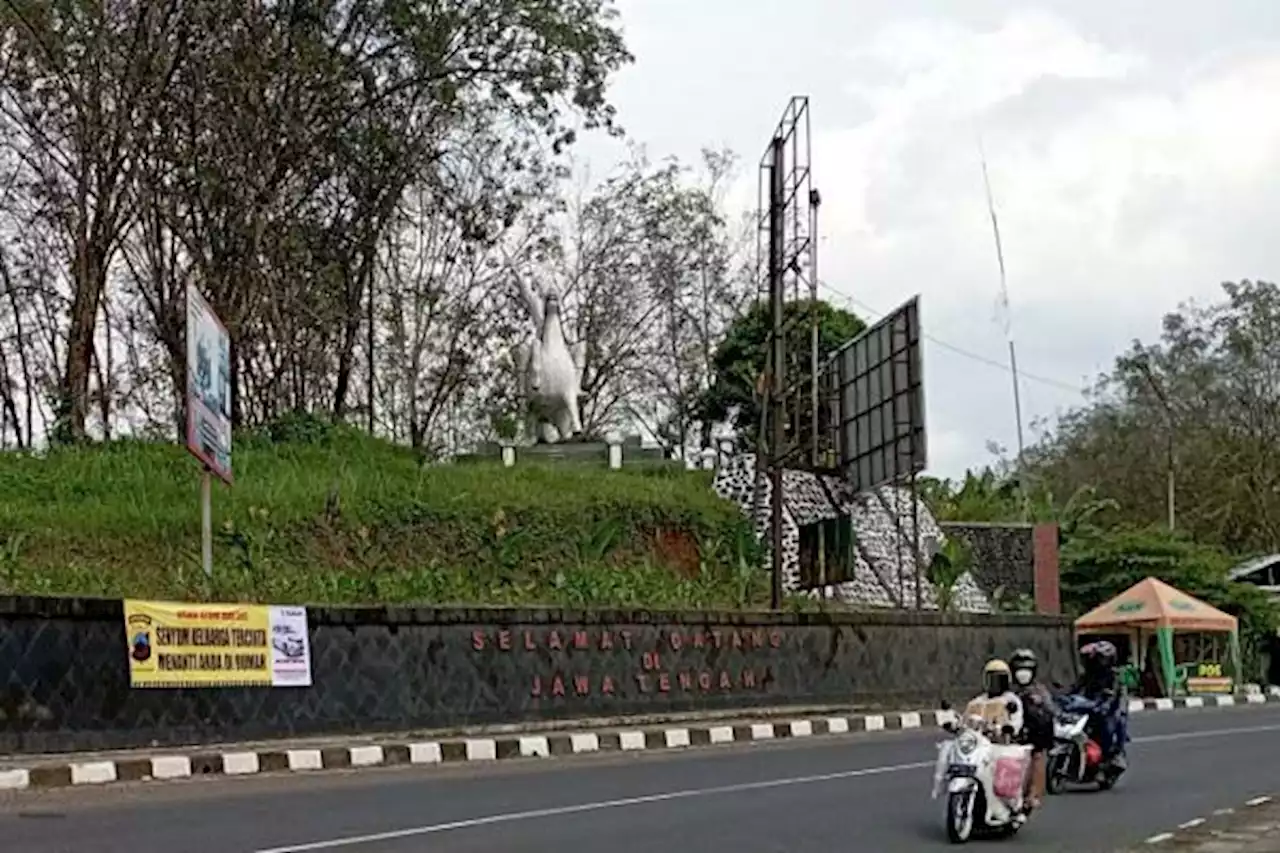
(322, 514)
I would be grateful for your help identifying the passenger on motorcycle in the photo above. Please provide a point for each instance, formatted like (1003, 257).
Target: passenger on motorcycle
(1039, 712)
(994, 703)
(1097, 683)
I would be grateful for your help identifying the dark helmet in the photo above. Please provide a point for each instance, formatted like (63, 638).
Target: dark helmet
(996, 678)
(1024, 665)
(1099, 655)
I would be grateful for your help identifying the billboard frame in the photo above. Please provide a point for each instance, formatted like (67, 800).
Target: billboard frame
(880, 433)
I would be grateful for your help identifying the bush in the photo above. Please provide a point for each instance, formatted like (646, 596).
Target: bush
(326, 514)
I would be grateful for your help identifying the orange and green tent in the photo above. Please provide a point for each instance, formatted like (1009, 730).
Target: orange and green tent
(1151, 606)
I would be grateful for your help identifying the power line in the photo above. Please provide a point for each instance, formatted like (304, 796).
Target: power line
(960, 351)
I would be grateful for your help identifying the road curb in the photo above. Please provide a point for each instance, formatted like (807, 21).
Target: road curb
(448, 751)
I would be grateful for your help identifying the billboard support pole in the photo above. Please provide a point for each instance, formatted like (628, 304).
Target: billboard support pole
(777, 402)
(206, 521)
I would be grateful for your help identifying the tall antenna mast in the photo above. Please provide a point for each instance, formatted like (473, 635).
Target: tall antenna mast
(1006, 314)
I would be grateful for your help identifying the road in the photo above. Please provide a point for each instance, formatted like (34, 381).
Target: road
(864, 792)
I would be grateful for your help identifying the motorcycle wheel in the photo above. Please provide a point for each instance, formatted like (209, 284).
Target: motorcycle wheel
(1053, 781)
(960, 816)
(1106, 781)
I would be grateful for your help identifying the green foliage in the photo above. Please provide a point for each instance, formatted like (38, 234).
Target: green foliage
(949, 565)
(322, 513)
(740, 360)
(1097, 565)
(1206, 386)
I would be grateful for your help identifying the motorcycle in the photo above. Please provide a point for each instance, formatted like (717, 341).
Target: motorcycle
(1076, 758)
(984, 779)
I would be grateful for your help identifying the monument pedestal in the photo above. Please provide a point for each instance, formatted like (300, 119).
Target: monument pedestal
(591, 453)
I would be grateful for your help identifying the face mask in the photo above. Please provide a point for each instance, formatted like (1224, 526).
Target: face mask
(1023, 676)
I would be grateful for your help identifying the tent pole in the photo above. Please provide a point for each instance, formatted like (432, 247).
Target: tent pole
(1164, 638)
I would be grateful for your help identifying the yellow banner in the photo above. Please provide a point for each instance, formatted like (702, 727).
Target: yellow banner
(198, 645)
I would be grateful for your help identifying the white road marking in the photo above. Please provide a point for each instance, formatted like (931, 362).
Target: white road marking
(534, 814)
(579, 808)
(1257, 801)
(1160, 839)
(1191, 824)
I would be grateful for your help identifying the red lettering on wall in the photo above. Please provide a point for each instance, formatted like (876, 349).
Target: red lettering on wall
(704, 680)
(775, 639)
(557, 686)
(686, 681)
(581, 685)
(676, 641)
(737, 639)
(715, 639)
(699, 639)
(477, 640)
(664, 682)
(529, 644)
(553, 640)
(758, 638)
(580, 640)
(606, 687)
(537, 687)
(726, 683)
(626, 640)
(642, 681)
(748, 678)
(606, 640)
(504, 640)
(650, 661)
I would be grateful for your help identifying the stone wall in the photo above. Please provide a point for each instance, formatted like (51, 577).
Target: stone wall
(66, 682)
(1013, 560)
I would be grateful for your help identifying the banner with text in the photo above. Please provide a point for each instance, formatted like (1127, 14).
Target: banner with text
(216, 645)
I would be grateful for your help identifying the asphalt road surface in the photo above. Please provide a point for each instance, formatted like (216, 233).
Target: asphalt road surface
(864, 793)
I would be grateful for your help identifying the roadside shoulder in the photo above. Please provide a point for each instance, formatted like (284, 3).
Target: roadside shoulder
(1251, 827)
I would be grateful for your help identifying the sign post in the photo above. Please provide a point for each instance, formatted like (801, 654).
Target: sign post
(208, 407)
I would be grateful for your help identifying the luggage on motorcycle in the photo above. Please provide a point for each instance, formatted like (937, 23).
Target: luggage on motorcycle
(1010, 775)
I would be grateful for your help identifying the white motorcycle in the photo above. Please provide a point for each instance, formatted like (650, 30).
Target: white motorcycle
(984, 778)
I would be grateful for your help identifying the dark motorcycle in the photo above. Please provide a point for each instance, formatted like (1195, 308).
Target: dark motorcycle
(1076, 756)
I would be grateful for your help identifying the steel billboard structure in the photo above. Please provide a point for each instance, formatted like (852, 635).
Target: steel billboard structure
(879, 383)
(786, 253)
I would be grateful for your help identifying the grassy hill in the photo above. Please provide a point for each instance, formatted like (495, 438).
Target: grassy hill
(322, 514)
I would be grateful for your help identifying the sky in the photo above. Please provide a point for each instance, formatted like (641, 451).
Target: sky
(1132, 149)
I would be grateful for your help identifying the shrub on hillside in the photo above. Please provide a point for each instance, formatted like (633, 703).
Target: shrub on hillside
(324, 513)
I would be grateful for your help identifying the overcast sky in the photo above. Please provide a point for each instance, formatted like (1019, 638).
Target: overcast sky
(1132, 148)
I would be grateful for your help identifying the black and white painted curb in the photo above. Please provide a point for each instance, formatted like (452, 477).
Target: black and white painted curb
(1254, 696)
(481, 749)
(1184, 830)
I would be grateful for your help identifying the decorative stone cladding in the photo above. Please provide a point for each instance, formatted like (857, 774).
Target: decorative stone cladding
(886, 560)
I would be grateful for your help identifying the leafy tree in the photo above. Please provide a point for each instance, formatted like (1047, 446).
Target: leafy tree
(1097, 565)
(740, 361)
(1210, 384)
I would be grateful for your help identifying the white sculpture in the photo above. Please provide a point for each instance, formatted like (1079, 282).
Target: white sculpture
(551, 375)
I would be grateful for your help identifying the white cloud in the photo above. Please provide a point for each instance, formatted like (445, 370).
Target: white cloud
(1120, 193)
(1132, 160)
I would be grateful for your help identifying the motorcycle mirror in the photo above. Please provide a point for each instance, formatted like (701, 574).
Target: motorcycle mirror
(1006, 729)
(946, 706)
(1011, 706)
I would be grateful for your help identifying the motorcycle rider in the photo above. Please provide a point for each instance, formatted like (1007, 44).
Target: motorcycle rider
(1039, 711)
(994, 702)
(1097, 683)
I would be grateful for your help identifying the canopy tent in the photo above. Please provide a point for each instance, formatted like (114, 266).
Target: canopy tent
(1152, 606)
